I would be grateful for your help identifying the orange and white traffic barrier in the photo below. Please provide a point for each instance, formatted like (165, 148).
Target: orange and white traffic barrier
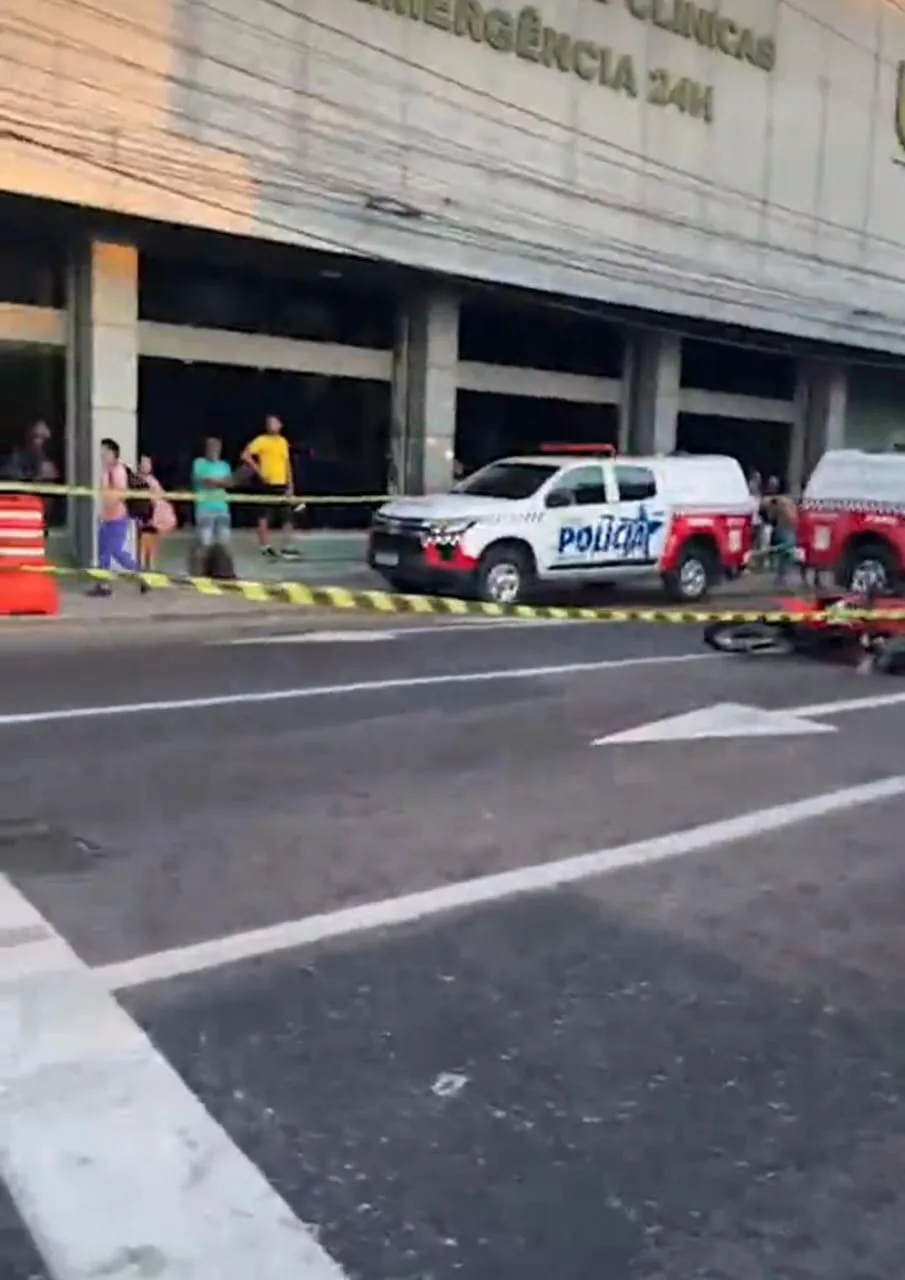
(24, 589)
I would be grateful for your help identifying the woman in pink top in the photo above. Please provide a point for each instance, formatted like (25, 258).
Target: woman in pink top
(113, 531)
(157, 520)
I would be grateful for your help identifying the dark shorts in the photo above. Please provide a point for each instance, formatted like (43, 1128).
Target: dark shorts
(280, 512)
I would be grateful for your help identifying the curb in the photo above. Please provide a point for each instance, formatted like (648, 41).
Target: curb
(314, 595)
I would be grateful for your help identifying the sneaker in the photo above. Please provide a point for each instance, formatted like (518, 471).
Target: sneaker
(268, 553)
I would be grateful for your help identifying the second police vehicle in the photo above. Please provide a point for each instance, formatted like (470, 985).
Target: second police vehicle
(525, 521)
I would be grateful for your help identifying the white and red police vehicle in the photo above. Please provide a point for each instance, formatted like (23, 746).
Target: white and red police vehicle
(525, 521)
(852, 519)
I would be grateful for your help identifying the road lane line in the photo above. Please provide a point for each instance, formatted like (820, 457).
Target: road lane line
(115, 1166)
(414, 631)
(390, 912)
(335, 690)
(869, 703)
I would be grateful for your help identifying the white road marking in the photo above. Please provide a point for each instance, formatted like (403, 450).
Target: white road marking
(733, 720)
(414, 631)
(723, 720)
(202, 956)
(335, 690)
(869, 703)
(313, 637)
(116, 1167)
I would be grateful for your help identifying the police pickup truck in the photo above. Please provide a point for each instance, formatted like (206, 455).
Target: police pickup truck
(525, 521)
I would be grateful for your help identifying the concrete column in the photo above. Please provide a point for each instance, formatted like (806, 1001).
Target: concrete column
(821, 402)
(649, 411)
(627, 394)
(102, 373)
(400, 477)
(425, 375)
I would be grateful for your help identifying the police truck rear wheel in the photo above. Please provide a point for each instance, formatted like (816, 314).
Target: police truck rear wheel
(505, 575)
(870, 569)
(692, 577)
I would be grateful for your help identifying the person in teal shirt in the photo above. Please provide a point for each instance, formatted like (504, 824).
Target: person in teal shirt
(210, 478)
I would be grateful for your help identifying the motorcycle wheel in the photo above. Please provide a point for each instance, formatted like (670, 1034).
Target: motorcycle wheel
(749, 638)
(889, 659)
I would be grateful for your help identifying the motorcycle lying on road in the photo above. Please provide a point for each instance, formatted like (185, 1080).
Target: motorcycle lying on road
(870, 627)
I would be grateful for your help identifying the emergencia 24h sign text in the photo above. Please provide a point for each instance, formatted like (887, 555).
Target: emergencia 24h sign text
(525, 33)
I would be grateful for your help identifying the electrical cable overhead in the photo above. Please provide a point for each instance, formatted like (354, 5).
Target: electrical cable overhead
(635, 163)
(357, 138)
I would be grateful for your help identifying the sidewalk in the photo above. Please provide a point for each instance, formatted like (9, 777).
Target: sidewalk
(322, 556)
(126, 607)
(324, 559)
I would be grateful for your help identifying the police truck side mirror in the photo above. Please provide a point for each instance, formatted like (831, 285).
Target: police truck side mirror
(558, 498)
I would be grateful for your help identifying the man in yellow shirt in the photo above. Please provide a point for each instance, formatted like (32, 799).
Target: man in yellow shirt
(268, 456)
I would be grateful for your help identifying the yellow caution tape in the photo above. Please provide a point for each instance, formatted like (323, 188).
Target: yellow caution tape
(386, 602)
(189, 495)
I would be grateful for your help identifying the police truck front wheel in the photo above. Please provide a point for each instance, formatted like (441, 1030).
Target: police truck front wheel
(693, 576)
(505, 575)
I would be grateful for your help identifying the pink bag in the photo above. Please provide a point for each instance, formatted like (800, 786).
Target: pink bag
(163, 516)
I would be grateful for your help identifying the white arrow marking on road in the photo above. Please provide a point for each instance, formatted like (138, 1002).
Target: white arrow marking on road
(724, 720)
(734, 720)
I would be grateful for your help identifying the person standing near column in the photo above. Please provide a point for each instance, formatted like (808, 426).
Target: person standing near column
(211, 476)
(115, 526)
(269, 457)
(156, 520)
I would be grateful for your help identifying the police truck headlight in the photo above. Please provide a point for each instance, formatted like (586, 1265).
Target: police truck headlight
(448, 530)
(455, 528)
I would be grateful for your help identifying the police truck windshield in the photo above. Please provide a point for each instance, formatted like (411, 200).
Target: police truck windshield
(512, 480)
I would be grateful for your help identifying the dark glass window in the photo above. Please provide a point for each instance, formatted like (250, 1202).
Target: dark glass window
(512, 480)
(32, 271)
(317, 308)
(584, 485)
(636, 484)
(33, 389)
(338, 430)
(497, 426)
(758, 446)
(530, 336)
(743, 371)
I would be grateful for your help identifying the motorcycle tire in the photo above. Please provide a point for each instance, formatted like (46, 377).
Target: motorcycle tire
(750, 639)
(889, 659)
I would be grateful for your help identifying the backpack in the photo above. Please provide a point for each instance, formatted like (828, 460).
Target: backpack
(218, 564)
(212, 562)
(137, 508)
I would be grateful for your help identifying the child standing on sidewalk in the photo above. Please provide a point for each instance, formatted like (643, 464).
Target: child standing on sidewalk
(157, 520)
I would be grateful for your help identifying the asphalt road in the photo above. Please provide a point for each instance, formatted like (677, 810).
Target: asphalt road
(683, 1057)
